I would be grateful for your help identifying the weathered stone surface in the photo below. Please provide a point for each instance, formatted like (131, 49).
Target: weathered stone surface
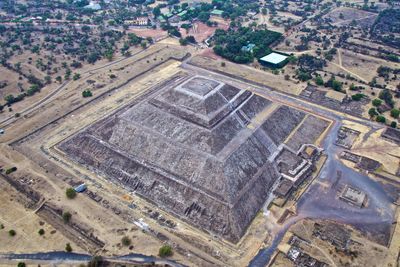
(188, 149)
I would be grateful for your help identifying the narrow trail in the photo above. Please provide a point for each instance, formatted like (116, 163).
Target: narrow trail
(340, 65)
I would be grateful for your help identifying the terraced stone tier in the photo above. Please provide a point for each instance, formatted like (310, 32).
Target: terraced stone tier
(189, 150)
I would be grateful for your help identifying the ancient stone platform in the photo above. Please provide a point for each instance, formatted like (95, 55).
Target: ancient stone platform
(189, 148)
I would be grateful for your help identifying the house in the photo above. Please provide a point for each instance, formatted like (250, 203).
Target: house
(217, 13)
(140, 21)
(248, 48)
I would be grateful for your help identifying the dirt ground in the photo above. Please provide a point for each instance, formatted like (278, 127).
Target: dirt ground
(26, 224)
(368, 253)
(98, 82)
(344, 16)
(373, 146)
(276, 82)
(145, 32)
(201, 31)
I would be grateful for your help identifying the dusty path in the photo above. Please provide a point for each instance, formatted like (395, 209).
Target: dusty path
(340, 65)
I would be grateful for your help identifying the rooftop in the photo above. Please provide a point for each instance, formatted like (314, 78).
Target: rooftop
(217, 12)
(274, 58)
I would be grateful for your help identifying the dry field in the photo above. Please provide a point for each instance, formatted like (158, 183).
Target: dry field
(146, 32)
(99, 83)
(201, 31)
(370, 144)
(15, 216)
(265, 78)
(344, 16)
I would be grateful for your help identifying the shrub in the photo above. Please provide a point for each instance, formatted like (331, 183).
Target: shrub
(353, 87)
(336, 85)
(372, 112)
(1, 226)
(68, 247)
(70, 192)
(376, 102)
(87, 93)
(126, 241)
(395, 113)
(393, 124)
(76, 76)
(12, 233)
(21, 264)
(165, 251)
(357, 97)
(66, 217)
(10, 170)
(41, 232)
(319, 81)
(381, 119)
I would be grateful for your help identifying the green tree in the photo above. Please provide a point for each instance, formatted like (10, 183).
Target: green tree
(381, 119)
(183, 41)
(41, 232)
(393, 124)
(126, 241)
(318, 80)
(386, 96)
(11, 170)
(357, 97)
(156, 11)
(21, 264)
(372, 112)
(303, 75)
(70, 192)
(76, 76)
(376, 102)
(87, 93)
(12, 232)
(336, 85)
(165, 251)
(395, 113)
(66, 217)
(68, 247)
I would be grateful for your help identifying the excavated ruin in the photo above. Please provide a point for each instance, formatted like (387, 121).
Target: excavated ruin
(199, 150)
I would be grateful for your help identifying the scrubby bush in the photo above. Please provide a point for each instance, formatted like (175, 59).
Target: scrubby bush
(70, 192)
(12, 233)
(381, 119)
(41, 232)
(126, 241)
(66, 216)
(165, 251)
(395, 113)
(68, 247)
(11, 170)
(87, 93)
(376, 102)
(372, 112)
(357, 97)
